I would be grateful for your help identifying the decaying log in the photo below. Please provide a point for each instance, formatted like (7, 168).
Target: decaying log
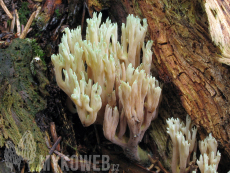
(185, 54)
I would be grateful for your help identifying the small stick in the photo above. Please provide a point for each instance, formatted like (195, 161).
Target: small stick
(55, 145)
(47, 140)
(55, 151)
(22, 26)
(24, 33)
(54, 163)
(37, 11)
(29, 30)
(62, 155)
(54, 135)
(158, 169)
(6, 9)
(13, 21)
(150, 167)
(59, 169)
(52, 148)
(18, 23)
(152, 160)
(158, 163)
(162, 167)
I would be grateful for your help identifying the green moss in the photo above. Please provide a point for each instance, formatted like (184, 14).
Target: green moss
(19, 100)
(58, 14)
(143, 155)
(137, 8)
(41, 21)
(23, 13)
(37, 50)
(183, 10)
(8, 22)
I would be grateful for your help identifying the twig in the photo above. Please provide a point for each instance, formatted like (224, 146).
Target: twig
(24, 33)
(54, 163)
(6, 9)
(158, 169)
(151, 159)
(150, 167)
(52, 148)
(55, 151)
(54, 135)
(18, 23)
(162, 167)
(154, 162)
(37, 11)
(55, 145)
(29, 30)
(62, 155)
(13, 21)
(22, 26)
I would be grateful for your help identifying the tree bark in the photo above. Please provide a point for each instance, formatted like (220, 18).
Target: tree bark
(186, 56)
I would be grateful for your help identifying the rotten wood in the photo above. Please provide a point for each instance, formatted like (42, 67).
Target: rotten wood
(49, 8)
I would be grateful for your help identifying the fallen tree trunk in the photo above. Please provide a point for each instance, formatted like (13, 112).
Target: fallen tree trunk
(186, 56)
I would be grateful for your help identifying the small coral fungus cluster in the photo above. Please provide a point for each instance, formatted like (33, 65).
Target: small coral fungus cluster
(110, 83)
(184, 144)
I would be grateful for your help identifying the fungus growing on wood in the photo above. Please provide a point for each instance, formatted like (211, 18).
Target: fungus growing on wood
(184, 143)
(110, 83)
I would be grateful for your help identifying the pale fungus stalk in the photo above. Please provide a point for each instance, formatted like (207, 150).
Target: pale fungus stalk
(184, 143)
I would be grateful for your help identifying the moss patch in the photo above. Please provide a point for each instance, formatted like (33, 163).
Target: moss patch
(20, 99)
(23, 13)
